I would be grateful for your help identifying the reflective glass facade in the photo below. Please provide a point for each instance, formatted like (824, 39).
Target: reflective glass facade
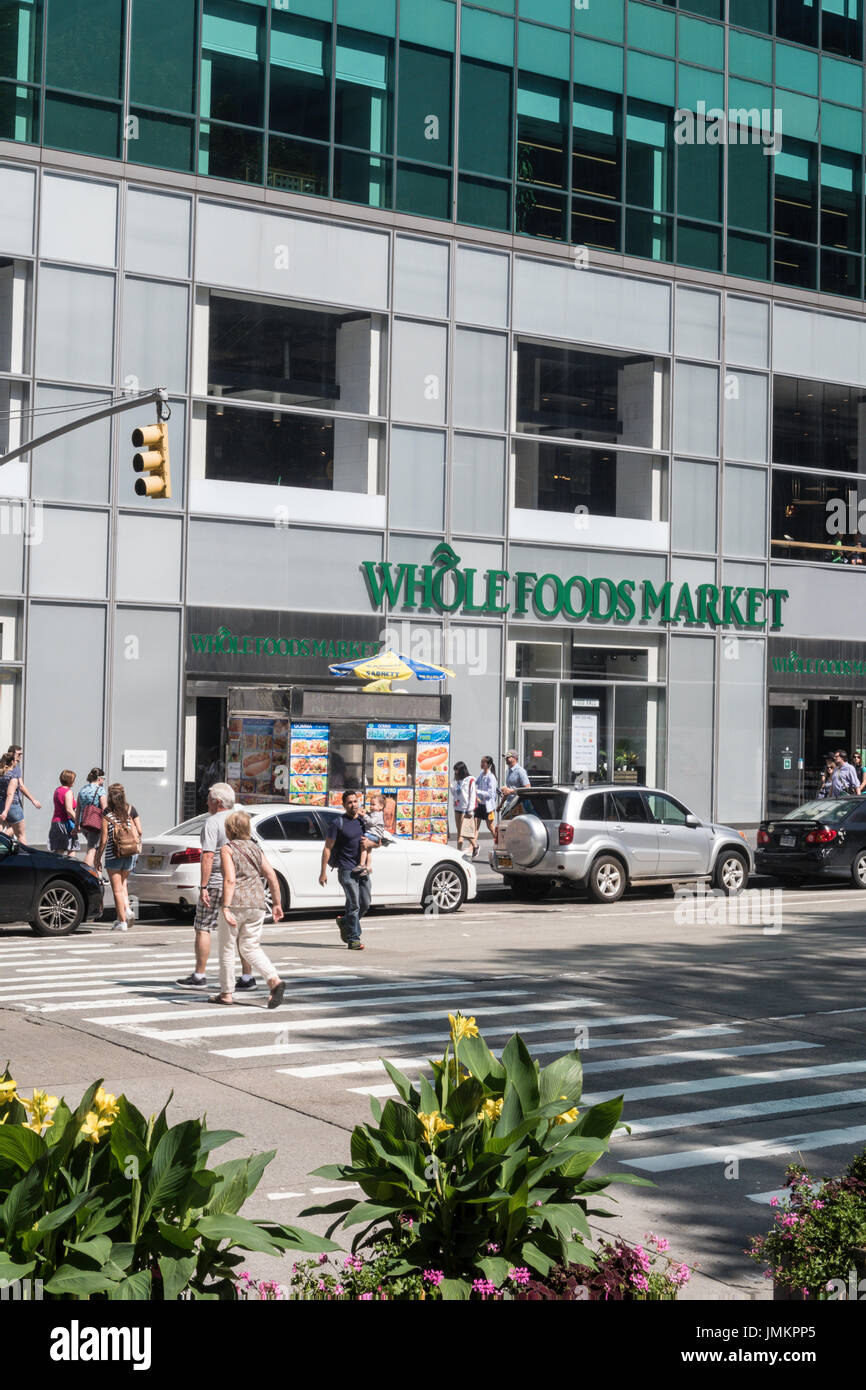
(591, 124)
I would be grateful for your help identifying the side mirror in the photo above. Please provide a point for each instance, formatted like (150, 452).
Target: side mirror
(693, 820)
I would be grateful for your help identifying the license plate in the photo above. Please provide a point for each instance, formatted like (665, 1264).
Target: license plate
(504, 861)
(154, 861)
(788, 841)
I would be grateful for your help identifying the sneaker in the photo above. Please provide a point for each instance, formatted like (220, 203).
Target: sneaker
(193, 981)
(355, 945)
(120, 926)
(241, 983)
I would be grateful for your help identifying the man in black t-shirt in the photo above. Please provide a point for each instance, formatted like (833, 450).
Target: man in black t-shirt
(343, 849)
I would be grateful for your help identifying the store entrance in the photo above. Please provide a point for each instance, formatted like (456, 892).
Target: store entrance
(803, 733)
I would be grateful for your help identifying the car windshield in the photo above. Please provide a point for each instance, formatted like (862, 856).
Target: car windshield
(188, 827)
(830, 812)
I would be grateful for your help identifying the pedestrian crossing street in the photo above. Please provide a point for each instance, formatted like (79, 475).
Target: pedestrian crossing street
(697, 1094)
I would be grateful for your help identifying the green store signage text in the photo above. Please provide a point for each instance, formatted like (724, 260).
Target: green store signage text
(226, 643)
(443, 587)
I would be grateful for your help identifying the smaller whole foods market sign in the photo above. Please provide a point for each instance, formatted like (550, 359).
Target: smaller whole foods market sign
(817, 665)
(444, 586)
(281, 644)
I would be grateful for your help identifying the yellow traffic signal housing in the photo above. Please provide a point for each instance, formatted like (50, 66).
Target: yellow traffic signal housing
(153, 459)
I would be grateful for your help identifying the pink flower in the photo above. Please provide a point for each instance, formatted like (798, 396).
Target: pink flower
(640, 1282)
(663, 1244)
(642, 1259)
(363, 1297)
(681, 1275)
(323, 1259)
(321, 1284)
(768, 1274)
(483, 1286)
(353, 1262)
(520, 1274)
(338, 1289)
(818, 1206)
(492, 1248)
(774, 1201)
(805, 1293)
(433, 1276)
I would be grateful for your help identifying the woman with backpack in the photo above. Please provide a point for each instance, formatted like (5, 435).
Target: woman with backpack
(120, 843)
(88, 817)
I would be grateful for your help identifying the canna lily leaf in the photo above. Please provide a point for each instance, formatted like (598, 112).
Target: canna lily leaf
(98, 1249)
(455, 1290)
(81, 1282)
(521, 1072)
(215, 1138)
(562, 1080)
(21, 1146)
(173, 1159)
(495, 1269)
(135, 1287)
(600, 1120)
(477, 1058)
(371, 1211)
(404, 1086)
(176, 1273)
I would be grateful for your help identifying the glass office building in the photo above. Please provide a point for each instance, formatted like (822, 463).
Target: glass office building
(507, 334)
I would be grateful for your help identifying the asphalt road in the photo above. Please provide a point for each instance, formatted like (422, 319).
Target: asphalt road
(738, 1043)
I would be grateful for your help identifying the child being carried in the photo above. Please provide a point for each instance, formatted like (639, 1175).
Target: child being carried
(373, 822)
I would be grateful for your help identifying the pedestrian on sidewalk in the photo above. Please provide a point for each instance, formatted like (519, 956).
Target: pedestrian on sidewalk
(487, 793)
(62, 838)
(515, 778)
(465, 800)
(119, 844)
(343, 850)
(242, 915)
(845, 780)
(220, 804)
(12, 809)
(857, 764)
(88, 817)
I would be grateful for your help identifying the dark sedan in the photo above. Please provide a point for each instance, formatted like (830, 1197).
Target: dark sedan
(54, 894)
(823, 839)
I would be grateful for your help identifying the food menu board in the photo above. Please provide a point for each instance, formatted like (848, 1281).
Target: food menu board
(308, 764)
(257, 758)
(433, 748)
(390, 767)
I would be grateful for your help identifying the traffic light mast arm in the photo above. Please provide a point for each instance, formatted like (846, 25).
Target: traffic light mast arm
(159, 396)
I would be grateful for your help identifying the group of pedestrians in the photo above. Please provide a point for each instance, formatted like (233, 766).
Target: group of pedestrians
(841, 778)
(477, 800)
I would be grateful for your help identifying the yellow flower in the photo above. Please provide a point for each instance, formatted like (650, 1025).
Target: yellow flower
(93, 1127)
(107, 1106)
(462, 1027)
(433, 1124)
(490, 1110)
(40, 1107)
(8, 1091)
(567, 1117)
(38, 1125)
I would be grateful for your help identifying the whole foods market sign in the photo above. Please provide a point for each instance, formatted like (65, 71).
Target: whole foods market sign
(445, 586)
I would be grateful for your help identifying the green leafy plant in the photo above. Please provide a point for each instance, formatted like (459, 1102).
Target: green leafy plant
(818, 1231)
(489, 1161)
(101, 1202)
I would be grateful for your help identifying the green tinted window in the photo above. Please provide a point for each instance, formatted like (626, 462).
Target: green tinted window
(701, 43)
(232, 66)
(748, 96)
(713, 9)
(649, 156)
(840, 200)
(699, 182)
(751, 57)
(841, 127)
(487, 36)
(651, 78)
(296, 166)
(167, 78)
(542, 136)
(699, 246)
(363, 178)
(748, 256)
(380, 18)
(300, 97)
(484, 204)
(648, 235)
(84, 50)
(697, 84)
(752, 14)
(544, 51)
(749, 171)
(423, 191)
(365, 84)
(598, 65)
(225, 152)
(19, 113)
(796, 68)
(547, 11)
(842, 81)
(21, 40)
(597, 144)
(165, 142)
(604, 21)
(89, 127)
(541, 214)
(424, 110)
(651, 28)
(485, 119)
(428, 22)
(799, 115)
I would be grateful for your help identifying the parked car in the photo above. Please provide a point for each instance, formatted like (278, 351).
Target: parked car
(292, 838)
(821, 839)
(54, 894)
(607, 837)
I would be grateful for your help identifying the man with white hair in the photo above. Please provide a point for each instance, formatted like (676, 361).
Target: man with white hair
(220, 804)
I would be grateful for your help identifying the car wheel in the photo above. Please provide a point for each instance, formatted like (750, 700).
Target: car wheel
(607, 879)
(858, 871)
(731, 873)
(269, 901)
(445, 889)
(530, 890)
(59, 909)
(181, 912)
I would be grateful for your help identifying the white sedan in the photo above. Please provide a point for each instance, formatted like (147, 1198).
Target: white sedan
(292, 837)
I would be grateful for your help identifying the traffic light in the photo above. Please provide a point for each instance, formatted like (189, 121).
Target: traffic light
(153, 459)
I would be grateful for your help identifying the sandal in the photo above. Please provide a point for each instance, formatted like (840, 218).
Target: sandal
(276, 996)
(218, 999)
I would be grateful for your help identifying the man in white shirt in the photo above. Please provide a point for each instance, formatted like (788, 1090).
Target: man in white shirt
(220, 804)
(515, 777)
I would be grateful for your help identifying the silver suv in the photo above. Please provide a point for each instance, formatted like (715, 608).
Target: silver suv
(609, 836)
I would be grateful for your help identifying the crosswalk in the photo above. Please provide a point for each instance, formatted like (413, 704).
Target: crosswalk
(688, 1084)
